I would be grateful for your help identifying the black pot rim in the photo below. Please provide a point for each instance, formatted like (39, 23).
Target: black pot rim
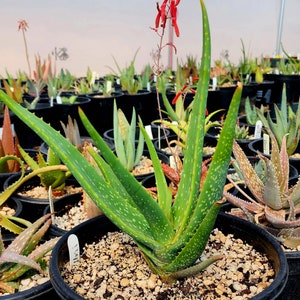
(275, 287)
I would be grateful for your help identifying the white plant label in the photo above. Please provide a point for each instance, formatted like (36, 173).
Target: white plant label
(258, 128)
(266, 144)
(108, 86)
(149, 131)
(214, 83)
(58, 100)
(73, 247)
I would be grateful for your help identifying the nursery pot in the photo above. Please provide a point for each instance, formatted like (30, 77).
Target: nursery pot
(100, 110)
(93, 229)
(156, 132)
(144, 102)
(32, 208)
(26, 136)
(257, 146)
(161, 145)
(62, 111)
(44, 290)
(292, 288)
(292, 83)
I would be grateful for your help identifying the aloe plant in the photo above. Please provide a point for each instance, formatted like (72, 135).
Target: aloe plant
(51, 173)
(124, 139)
(130, 82)
(24, 253)
(179, 116)
(286, 122)
(271, 203)
(171, 235)
(55, 178)
(251, 112)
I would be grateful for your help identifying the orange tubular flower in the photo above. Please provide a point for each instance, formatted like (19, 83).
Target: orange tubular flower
(168, 9)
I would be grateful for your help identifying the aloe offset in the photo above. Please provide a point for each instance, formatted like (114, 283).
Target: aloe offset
(171, 235)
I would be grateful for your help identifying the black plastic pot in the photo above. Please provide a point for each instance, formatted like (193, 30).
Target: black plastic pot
(163, 158)
(292, 288)
(3, 176)
(162, 144)
(292, 83)
(145, 105)
(43, 291)
(100, 110)
(27, 137)
(93, 229)
(257, 145)
(62, 111)
(32, 208)
(157, 132)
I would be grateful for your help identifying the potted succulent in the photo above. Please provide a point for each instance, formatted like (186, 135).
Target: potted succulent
(45, 173)
(271, 202)
(22, 254)
(283, 121)
(134, 95)
(286, 71)
(170, 235)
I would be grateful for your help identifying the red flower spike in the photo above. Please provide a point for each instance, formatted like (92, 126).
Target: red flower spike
(176, 97)
(23, 25)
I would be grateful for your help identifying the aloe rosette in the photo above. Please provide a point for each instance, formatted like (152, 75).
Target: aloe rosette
(171, 235)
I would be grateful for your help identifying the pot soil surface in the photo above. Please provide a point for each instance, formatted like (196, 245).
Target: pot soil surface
(115, 269)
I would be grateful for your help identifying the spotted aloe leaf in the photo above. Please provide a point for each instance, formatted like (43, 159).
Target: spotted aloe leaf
(23, 252)
(171, 235)
(273, 204)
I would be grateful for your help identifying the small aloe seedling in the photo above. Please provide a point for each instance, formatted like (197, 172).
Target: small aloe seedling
(55, 178)
(241, 132)
(171, 234)
(272, 204)
(130, 82)
(287, 122)
(24, 254)
(55, 174)
(127, 150)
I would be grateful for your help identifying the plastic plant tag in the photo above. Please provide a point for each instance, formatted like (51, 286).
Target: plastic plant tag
(266, 144)
(258, 128)
(108, 86)
(214, 83)
(149, 131)
(148, 87)
(73, 247)
(51, 204)
(58, 100)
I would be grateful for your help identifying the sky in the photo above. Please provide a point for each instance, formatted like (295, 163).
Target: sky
(96, 31)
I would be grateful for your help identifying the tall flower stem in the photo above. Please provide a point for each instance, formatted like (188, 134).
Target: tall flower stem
(23, 25)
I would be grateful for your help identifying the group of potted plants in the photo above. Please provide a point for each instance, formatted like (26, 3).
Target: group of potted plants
(174, 234)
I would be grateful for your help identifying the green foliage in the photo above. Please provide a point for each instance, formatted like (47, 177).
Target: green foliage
(130, 81)
(252, 115)
(127, 150)
(241, 132)
(24, 254)
(271, 203)
(55, 178)
(287, 122)
(171, 235)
